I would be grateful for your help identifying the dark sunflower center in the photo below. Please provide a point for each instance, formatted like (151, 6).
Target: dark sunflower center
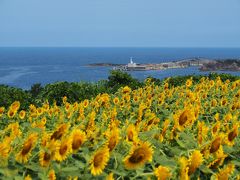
(215, 164)
(11, 113)
(46, 156)
(26, 148)
(224, 102)
(63, 149)
(58, 134)
(183, 118)
(232, 135)
(77, 142)
(130, 136)
(97, 160)
(112, 143)
(215, 128)
(137, 156)
(215, 145)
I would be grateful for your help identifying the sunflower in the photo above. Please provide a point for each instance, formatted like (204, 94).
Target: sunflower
(225, 172)
(228, 117)
(50, 112)
(64, 147)
(15, 106)
(45, 138)
(127, 97)
(162, 173)
(183, 168)
(69, 114)
(85, 103)
(214, 103)
(51, 175)
(40, 111)
(78, 138)
(220, 157)
(104, 99)
(217, 117)
(234, 106)
(136, 99)
(67, 106)
(32, 108)
(215, 145)
(28, 145)
(202, 131)
(11, 113)
(166, 85)
(28, 177)
(113, 139)
(99, 160)
(139, 155)
(184, 118)
(76, 106)
(126, 90)
(189, 82)
(231, 135)
(64, 99)
(216, 128)
(132, 134)
(195, 161)
(164, 130)
(116, 100)
(5, 148)
(46, 106)
(110, 176)
(211, 83)
(2, 109)
(72, 178)
(45, 158)
(224, 102)
(59, 132)
(22, 114)
(43, 120)
(16, 132)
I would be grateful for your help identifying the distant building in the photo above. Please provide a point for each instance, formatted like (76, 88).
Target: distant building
(133, 66)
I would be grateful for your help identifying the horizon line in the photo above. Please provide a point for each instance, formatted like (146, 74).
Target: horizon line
(213, 47)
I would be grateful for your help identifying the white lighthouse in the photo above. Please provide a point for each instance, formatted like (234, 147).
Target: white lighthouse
(131, 64)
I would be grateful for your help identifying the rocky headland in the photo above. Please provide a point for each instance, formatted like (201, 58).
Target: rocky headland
(221, 65)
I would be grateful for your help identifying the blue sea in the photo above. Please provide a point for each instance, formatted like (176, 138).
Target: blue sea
(22, 67)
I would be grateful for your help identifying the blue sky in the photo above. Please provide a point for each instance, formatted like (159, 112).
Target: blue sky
(120, 23)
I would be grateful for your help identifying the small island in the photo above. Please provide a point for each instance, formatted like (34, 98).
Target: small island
(203, 64)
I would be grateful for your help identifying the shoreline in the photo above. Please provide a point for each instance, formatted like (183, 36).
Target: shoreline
(203, 64)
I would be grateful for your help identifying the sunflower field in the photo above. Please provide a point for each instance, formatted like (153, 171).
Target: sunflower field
(154, 132)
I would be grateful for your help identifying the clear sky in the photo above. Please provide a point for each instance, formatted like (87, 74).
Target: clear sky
(120, 23)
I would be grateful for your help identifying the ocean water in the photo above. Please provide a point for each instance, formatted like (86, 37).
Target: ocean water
(22, 67)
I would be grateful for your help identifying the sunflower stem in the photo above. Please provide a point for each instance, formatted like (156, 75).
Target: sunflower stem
(162, 152)
(144, 174)
(119, 177)
(116, 161)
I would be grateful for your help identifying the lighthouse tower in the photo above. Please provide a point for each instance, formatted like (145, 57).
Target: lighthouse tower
(131, 64)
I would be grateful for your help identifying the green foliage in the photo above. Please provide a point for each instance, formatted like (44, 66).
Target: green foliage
(224, 77)
(78, 91)
(36, 89)
(10, 94)
(119, 79)
(72, 90)
(180, 80)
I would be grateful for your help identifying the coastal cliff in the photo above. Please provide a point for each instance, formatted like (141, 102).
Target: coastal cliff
(223, 65)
